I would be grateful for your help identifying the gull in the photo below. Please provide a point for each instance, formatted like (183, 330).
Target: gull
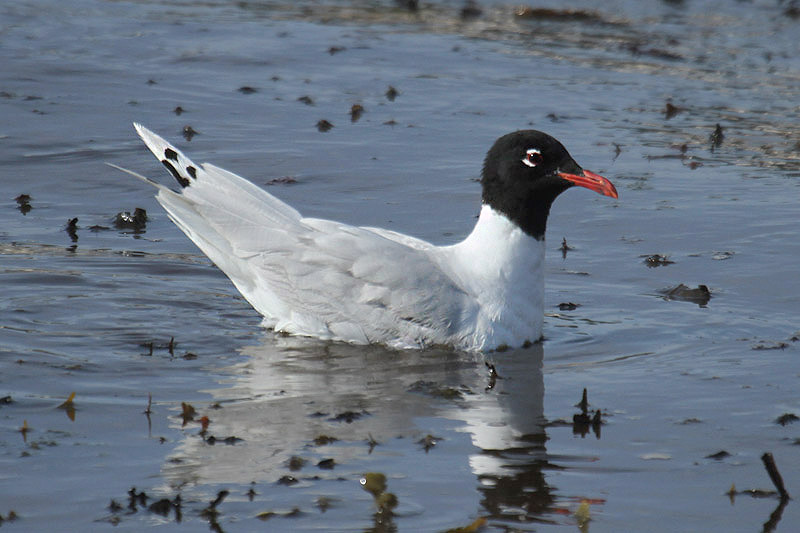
(362, 285)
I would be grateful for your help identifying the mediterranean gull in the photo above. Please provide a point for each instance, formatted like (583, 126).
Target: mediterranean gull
(326, 279)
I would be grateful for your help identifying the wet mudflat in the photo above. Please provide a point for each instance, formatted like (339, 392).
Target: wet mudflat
(676, 307)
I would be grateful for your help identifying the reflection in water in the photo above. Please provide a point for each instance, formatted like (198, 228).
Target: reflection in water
(297, 401)
(507, 427)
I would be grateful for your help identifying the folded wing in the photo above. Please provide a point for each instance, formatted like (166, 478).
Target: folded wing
(310, 276)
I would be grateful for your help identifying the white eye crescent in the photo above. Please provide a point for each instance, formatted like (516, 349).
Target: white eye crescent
(533, 157)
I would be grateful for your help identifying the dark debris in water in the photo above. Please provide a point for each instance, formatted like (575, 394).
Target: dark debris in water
(428, 442)
(471, 10)
(371, 442)
(435, 390)
(151, 346)
(211, 513)
(322, 440)
(326, 464)
(305, 99)
(585, 421)
(136, 499)
(72, 229)
(786, 419)
(783, 495)
(385, 502)
(348, 416)
(287, 480)
(670, 110)
(686, 159)
(559, 15)
(189, 132)
(583, 405)
(283, 180)
(136, 221)
(374, 483)
(639, 49)
(770, 345)
(266, 515)
(565, 248)
(411, 5)
(24, 203)
(656, 260)
(69, 406)
(753, 493)
(716, 137)
(476, 525)
(246, 89)
(699, 295)
(188, 412)
(493, 376)
(165, 506)
(356, 110)
(774, 474)
(720, 455)
(323, 503)
(582, 423)
(296, 463)
(24, 430)
(211, 440)
(324, 125)
(115, 506)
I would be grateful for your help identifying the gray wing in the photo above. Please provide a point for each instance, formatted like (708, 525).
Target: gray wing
(310, 276)
(355, 284)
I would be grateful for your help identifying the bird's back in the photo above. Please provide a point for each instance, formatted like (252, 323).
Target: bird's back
(311, 276)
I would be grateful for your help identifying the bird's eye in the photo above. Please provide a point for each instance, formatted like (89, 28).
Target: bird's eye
(533, 157)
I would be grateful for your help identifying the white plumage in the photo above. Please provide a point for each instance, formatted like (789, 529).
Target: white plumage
(330, 280)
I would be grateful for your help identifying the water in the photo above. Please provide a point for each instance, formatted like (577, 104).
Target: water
(676, 382)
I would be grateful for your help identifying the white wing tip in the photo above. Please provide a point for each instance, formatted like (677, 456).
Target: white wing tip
(147, 135)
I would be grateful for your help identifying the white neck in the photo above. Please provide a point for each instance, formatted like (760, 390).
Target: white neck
(502, 267)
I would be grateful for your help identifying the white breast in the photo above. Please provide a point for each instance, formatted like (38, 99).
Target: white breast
(502, 268)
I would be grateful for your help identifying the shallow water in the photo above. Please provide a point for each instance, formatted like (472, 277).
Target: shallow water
(676, 382)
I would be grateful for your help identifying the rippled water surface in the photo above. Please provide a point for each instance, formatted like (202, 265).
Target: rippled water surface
(188, 415)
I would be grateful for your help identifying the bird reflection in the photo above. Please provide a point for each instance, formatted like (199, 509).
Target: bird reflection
(481, 415)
